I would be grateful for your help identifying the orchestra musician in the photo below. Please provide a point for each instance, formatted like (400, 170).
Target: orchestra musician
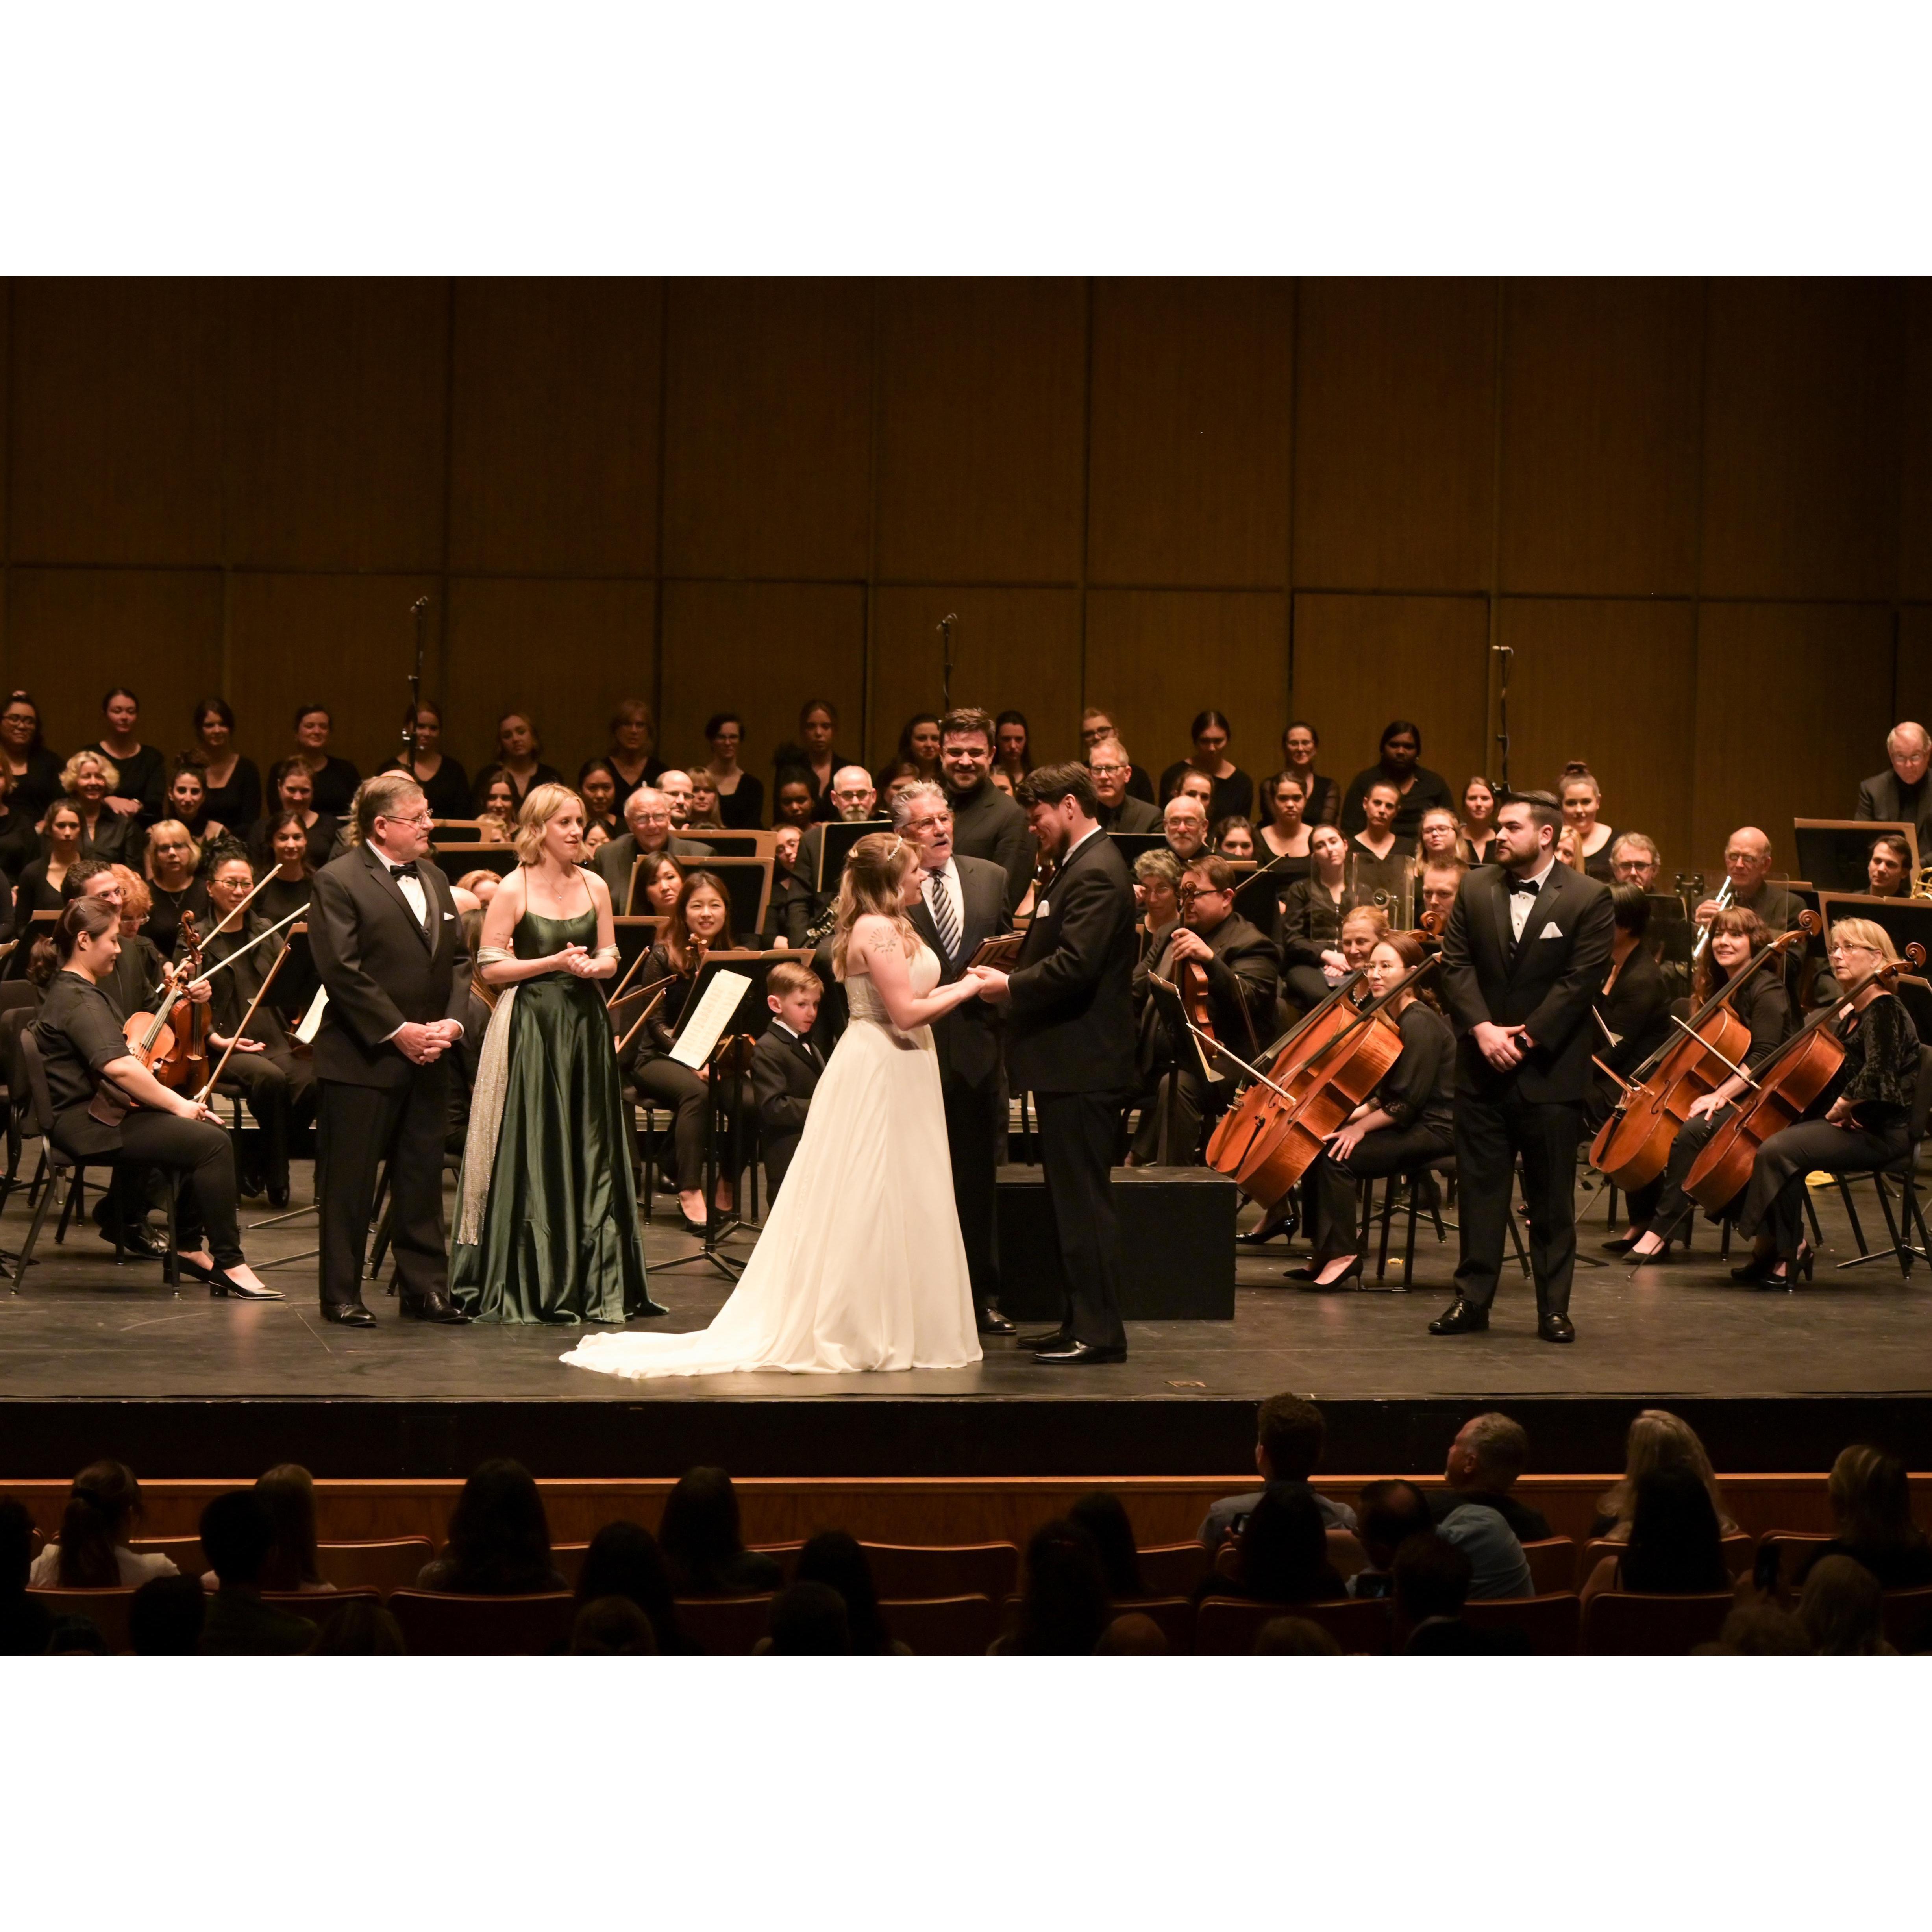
(1322, 796)
(1308, 935)
(1417, 788)
(1113, 770)
(173, 869)
(1861, 1120)
(1888, 867)
(1157, 895)
(854, 801)
(1582, 800)
(1635, 860)
(1436, 888)
(1633, 1009)
(1364, 927)
(1901, 796)
(647, 830)
(1523, 957)
(92, 1073)
(1747, 857)
(1405, 1123)
(1658, 1211)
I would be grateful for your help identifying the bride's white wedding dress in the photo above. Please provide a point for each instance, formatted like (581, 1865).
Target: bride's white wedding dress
(860, 1265)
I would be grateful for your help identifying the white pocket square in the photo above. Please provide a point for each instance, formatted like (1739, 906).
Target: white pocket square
(449, 915)
(1550, 931)
(1042, 909)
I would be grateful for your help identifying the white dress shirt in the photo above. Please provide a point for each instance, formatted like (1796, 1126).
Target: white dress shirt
(1522, 904)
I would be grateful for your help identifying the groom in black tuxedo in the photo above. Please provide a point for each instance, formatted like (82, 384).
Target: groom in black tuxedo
(1070, 1039)
(389, 949)
(963, 901)
(1523, 959)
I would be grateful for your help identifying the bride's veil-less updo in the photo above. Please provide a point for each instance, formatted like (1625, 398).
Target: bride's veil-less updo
(874, 875)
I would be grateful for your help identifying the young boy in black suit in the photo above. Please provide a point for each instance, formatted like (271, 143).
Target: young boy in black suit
(785, 1066)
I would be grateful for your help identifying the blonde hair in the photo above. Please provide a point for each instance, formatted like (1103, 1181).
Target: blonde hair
(542, 803)
(1865, 932)
(1658, 1440)
(70, 772)
(171, 825)
(874, 875)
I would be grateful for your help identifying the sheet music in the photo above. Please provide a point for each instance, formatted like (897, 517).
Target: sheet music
(311, 1020)
(712, 1014)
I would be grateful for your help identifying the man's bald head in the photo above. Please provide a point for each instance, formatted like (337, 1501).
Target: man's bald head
(852, 794)
(1908, 746)
(1747, 858)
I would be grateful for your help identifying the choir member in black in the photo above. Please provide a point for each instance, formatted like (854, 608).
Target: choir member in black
(496, 807)
(1658, 1212)
(288, 890)
(35, 771)
(1417, 787)
(234, 783)
(918, 747)
(1523, 958)
(79, 1037)
(794, 802)
(172, 868)
(1233, 794)
(1901, 795)
(786, 1066)
(20, 841)
(88, 779)
(1635, 860)
(633, 744)
(1747, 856)
(789, 912)
(1888, 867)
(1861, 1120)
(444, 781)
(38, 887)
(1113, 772)
(1095, 725)
(1582, 800)
(1239, 964)
(986, 824)
(741, 797)
(700, 920)
(1378, 856)
(280, 1086)
(333, 780)
(1301, 745)
(1406, 1122)
(1309, 936)
(813, 755)
(186, 800)
(1479, 821)
(1183, 822)
(896, 778)
(1013, 745)
(1632, 1010)
(519, 758)
(1439, 839)
(597, 786)
(702, 814)
(1285, 833)
(1235, 838)
(142, 768)
(292, 789)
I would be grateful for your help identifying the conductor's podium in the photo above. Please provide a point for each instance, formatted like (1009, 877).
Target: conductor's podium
(1176, 1245)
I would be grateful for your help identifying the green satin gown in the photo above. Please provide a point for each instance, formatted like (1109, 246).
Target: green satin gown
(560, 1240)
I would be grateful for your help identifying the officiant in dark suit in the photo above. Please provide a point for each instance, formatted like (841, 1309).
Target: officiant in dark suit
(1070, 1040)
(963, 902)
(389, 950)
(1523, 959)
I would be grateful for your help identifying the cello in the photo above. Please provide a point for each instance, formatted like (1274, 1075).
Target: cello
(1786, 1086)
(1229, 1144)
(1633, 1146)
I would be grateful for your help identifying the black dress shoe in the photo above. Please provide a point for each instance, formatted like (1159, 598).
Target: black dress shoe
(1555, 1328)
(142, 1241)
(1460, 1318)
(278, 1192)
(1077, 1355)
(1047, 1338)
(350, 1314)
(431, 1308)
(992, 1322)
(220, 1283)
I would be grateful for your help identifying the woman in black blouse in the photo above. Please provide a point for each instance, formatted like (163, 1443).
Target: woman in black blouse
(633, 744)
(173, 871)
(1861, 1120)
(741, 797)
(444, 781)
(288, 890)
(1308, 936)
(1582, 799)
(519, 758)
(1404, 1123)
(1658, 1210)
(1012, 744)
(37, 888)
(291, 788)
(143, 770)
(1379, 856)
(234, 783)
(35, 771)
(597, 785)
(1284, 834)
(19, 843)
(1299, 744)
(332, 780)
(1417, 788)
(1479, 820)
(89, 778)
(1233, 791)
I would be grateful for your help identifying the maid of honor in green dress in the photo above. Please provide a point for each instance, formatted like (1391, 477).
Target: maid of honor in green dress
(546, 1216)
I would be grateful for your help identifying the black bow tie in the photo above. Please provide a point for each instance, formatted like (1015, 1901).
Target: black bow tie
(1528, 885)
(406, 872)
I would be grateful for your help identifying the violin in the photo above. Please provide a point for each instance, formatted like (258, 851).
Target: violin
(1787, 1084)
(171, 1041)
(1633, 1145)
(1196, 1000)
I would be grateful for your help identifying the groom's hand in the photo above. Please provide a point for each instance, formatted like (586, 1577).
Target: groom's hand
(992, 984)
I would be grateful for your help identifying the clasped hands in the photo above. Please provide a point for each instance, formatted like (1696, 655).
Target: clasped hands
(992, 982)
(1502, 1046)
(423, 1043)
(577, 959)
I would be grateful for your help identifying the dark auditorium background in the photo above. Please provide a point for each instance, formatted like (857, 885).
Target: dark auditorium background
(1700, 511)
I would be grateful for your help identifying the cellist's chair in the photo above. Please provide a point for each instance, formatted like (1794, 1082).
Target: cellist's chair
(1905, 1171)
(1415, 1179)
(37, 1119)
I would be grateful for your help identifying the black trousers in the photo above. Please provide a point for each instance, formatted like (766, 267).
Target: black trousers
(1076, 1149)
(1307, 986)
(976, 1138)
(1774, 1200)
(280, 1092)
(1171, 1122)
(1490, 1134)
(1328, 1187)
(359, 1126)
(674, 1085)
(1662, 1206)
(194, 1151)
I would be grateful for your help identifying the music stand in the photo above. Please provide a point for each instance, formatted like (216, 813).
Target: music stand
(1131, 844)
(1259, 897)
(836, 838)
(481, 856)
(1904, 919)
(1832, 852)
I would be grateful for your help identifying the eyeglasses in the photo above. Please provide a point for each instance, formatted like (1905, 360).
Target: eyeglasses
(422, 818)
(1110, 771)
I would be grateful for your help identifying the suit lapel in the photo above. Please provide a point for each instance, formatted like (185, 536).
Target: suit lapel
(1499, 909)
(379, 870)
(1542, 910)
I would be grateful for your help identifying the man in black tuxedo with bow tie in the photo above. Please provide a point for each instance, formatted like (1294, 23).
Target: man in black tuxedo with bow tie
(1528, 944)
(388, 947)
(962, 902)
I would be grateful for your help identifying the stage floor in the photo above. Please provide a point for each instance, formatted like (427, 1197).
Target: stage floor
(87, 1347)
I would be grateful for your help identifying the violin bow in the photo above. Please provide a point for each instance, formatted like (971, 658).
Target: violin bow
(240, 950)
(240, 1032)
(656, 999)
(1216, 1046)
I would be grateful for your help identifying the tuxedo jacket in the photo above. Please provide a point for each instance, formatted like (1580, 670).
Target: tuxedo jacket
(1131, 815)
(783, 1079)
(967, 1039)
(380, 968)
(1547, 982)
(1070, 1023)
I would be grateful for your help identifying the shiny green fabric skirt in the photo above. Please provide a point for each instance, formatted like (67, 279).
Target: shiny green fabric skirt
(559, 1240)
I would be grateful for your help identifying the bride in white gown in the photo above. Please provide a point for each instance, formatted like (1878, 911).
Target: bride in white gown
(860, 1265)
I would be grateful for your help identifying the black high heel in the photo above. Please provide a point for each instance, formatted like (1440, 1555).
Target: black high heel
(1623, 1247)
(1308, 1278)
(1266, 1229)
(221, 1282)
(1648, 1261)
(1793, 1265)
(1756, 1270)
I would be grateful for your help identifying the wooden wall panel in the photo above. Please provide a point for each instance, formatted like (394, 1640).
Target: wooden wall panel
(345, 642)
(761, 650)
(1914, 674)
(1017, 649)
(1193, 383)
(1614, 683)
(1361, 662)
(1915, 562)
(563, 650)
(553, 441)
(1602, 389)
(74, 634)
(337, 415)
(1395, 434)
(981, 422)
(1155, 657)
(1802, 438)
(768, 429)
(117, 431)
(1792, 708)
